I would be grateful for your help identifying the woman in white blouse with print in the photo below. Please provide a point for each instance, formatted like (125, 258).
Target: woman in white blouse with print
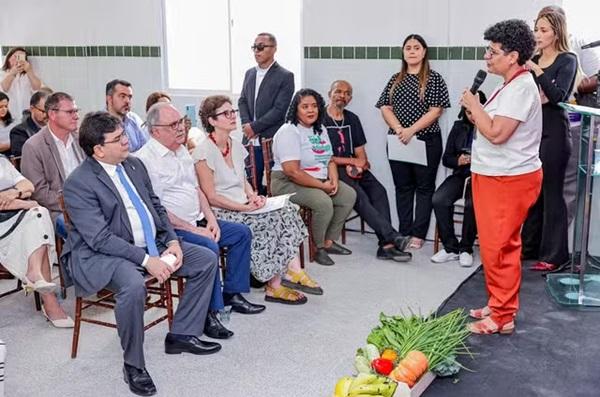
(18, 80)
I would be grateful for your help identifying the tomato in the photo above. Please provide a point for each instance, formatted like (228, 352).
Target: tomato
(382, 366)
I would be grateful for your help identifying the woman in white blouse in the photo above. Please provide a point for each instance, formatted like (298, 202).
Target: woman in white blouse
(220, 166)
(18, 80)
(27, 241)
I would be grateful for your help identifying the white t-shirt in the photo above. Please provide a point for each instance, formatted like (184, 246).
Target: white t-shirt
(20, 92)
(229, 182)
(9, 176)
(519, 100)
(296, 142)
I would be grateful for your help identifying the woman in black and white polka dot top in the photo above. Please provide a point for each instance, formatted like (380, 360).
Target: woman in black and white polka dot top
(411, 104)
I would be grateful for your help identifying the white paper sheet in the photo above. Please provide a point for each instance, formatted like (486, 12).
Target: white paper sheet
(413, 152)
(272, 204)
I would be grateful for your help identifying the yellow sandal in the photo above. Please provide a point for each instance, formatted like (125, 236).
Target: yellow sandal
(284, 295)
(301, 281)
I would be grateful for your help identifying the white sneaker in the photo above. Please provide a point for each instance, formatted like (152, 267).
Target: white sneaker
(443, 256)
(465, 259)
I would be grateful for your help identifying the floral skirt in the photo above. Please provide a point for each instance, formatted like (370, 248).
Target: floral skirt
(276, 236)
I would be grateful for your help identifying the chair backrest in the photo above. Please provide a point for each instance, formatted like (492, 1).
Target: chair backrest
(251, 166)
(267, 150)
(16, 162)
(63, 208)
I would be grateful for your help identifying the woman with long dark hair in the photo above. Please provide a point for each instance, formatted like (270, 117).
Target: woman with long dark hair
(554, 69)
(302, 153)
(7, 122)
(411, 104)
(18, 80)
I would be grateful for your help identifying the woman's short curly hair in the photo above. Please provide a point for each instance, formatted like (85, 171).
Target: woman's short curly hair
(513, 35)
(209, 107)
(292, 113)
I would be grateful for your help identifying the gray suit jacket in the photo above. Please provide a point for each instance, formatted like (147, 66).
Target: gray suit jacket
(41, 164)
(100, 237)
(272, 102)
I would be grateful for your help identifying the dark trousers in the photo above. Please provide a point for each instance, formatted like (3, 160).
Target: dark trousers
(259, 169)
(443, 201)
(545, 231)
(199, 268)
(371, 204)
(237, 238)
(414, 181)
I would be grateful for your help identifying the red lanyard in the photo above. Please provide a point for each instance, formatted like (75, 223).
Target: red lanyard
(514, 76)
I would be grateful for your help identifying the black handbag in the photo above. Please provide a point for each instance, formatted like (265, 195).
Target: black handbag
(6, 215)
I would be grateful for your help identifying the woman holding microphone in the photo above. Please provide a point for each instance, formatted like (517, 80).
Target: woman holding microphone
(506, 169)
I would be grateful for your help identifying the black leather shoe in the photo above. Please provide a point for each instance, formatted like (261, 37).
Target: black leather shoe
(393, 254)
(176, 344)
(322, 258)
(401, 242)
(214, 329)
(239, 304)
(139, 381)
(337, 249)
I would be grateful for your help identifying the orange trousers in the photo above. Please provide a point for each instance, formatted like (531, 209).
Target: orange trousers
(501, 205)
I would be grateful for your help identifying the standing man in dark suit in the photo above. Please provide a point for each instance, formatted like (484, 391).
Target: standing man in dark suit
(265, 97)
(121, 232)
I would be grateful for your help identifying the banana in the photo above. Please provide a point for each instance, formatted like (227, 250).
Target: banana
(371, 390)
(363, 379)
(343, 386)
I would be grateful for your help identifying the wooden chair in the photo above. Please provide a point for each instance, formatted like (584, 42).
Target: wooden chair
(345, 229)
(305, 212)
(163, 293)
(459, 212)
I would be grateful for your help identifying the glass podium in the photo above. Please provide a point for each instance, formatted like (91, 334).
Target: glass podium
(580, 288)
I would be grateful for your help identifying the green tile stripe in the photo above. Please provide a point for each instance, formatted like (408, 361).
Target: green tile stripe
(91, 51)
(467, 53)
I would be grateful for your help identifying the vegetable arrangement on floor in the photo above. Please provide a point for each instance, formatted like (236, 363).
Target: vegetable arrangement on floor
(402, 349)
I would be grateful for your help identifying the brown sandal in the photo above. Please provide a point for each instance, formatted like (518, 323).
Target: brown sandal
(284, 295)
(301, 281)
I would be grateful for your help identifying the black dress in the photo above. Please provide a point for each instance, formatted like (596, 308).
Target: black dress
(545, 231)
(413, 180)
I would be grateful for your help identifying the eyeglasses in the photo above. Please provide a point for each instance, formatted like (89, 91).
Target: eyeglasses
(174, 125)
(122, 138)
(227, 113)
(493, 52)
(39, 110)
(70, 112)
(260, 46)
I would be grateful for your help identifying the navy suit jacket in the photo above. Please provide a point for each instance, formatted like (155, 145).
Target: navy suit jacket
(100, 237)
(274, 96)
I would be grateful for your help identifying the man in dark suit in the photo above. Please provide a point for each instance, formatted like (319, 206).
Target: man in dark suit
(120, 231)
(265, 97)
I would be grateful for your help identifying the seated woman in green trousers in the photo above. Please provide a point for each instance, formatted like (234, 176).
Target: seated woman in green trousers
(302, 155)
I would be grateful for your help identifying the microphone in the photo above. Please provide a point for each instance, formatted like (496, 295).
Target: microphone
(479, 79)
(591, 45)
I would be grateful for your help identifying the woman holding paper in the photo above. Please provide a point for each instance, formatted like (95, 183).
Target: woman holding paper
(277, 234)
(302, 154)
(506, 170)
(411, 104)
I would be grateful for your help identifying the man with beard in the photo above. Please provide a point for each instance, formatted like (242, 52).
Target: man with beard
(35, 119)
(348, 142)
(118, 103)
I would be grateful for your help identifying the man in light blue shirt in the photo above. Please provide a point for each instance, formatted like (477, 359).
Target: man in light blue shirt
(118, 103)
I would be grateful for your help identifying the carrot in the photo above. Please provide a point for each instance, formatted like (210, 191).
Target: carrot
(410, 368)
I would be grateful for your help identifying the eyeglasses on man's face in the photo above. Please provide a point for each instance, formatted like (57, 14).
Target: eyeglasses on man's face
(121, 138)
(227, 113)
(174, 125)
(260, 46)
(70, 112)
(39, 110)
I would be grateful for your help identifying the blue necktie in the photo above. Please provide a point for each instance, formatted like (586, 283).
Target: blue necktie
(142, 213)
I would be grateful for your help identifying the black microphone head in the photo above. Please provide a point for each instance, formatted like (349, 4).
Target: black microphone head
(479, 79)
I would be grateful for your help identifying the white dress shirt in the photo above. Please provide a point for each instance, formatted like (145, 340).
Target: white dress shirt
(66, 152)
(134, 219)
(173, 179)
